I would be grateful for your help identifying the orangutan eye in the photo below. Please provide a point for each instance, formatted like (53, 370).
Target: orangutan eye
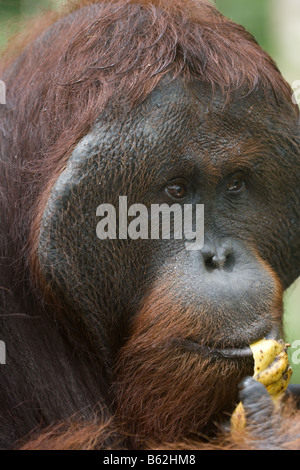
(176, 190)
(235, 183)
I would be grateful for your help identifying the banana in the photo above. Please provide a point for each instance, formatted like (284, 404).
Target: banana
(264, 352)
(277, 389)
(272, 369)
(271, 366)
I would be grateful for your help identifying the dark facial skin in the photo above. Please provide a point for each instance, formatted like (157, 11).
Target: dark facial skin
(225, 158)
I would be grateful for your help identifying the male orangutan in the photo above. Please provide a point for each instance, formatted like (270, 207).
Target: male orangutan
(136, 343)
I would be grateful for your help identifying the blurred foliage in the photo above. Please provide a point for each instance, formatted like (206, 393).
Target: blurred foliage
(11, 11)
(255, 16)
(292, 326)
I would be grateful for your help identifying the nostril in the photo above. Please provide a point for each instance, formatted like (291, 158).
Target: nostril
(209, 262)
(208, 256)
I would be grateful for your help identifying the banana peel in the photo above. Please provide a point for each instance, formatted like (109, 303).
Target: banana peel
(271, 366)
(271, 369)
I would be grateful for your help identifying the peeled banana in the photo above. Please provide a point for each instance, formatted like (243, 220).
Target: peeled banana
(272, 369)
(271, 366)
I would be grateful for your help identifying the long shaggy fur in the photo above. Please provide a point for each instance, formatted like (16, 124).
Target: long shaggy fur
(72, 66)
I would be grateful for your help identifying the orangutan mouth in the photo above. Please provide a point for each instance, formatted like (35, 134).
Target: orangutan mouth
(207, 351)
(234, 352)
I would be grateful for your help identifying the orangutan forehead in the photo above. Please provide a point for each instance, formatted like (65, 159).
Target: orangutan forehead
(176, 120)
(196, 105)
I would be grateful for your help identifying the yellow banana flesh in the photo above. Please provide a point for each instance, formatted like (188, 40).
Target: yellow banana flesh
(271, 366)
(272, 369)
(264, 353)
(277, 389)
